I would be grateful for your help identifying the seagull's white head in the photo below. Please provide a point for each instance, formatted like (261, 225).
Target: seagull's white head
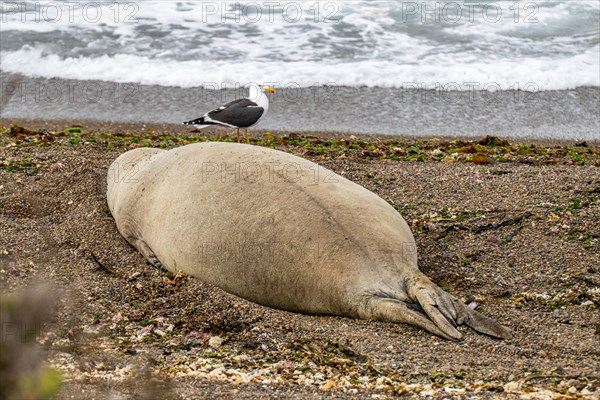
(261, 87)
(256, 89)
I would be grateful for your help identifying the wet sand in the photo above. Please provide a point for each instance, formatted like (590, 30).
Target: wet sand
(555, 115)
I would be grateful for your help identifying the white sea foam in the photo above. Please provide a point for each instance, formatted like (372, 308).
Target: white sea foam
(527, 74)
(373, 43)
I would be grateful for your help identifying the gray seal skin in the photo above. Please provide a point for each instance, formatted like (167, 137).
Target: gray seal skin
(280, 231)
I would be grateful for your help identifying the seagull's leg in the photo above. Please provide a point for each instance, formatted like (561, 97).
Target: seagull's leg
(246, 135)
(238, 134)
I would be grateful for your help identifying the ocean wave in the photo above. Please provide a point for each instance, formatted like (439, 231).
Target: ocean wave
(544, 45)
(526, 74)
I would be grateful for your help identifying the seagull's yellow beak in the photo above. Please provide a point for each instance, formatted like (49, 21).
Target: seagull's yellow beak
(269, 89)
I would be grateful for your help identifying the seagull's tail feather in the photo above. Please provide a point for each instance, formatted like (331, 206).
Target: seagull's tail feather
(197, 121)
(198, 126)
(201, 122)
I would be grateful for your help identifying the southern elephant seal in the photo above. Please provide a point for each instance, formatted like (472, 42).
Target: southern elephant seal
(280, 231)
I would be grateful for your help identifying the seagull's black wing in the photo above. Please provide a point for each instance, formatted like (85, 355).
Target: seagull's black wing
(240, 113)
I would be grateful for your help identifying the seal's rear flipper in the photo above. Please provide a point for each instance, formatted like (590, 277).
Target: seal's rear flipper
(487, 326)
(148, 253)
(396, 311)
(447, 312)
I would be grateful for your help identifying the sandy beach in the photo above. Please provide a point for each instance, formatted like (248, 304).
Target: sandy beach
(513, 226)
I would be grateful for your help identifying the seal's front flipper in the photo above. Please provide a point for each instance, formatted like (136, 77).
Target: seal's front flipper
(396, 311)
(148, 253)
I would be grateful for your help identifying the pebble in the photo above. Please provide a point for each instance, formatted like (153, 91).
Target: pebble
(134, 275)
(145, 331)
(118, 317)
(576, 383)
(215, 342)
(56, 166)
(540, 395)
(493, 238)
(511, 387)
(91, 330)
(454, 390)
(246, 357)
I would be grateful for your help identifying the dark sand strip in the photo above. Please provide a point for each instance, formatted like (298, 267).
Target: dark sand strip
(564, 114)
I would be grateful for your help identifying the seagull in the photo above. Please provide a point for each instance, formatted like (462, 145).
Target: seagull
(240, 113)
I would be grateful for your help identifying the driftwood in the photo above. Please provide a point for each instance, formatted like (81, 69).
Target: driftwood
(483, 228)
(101, 267)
